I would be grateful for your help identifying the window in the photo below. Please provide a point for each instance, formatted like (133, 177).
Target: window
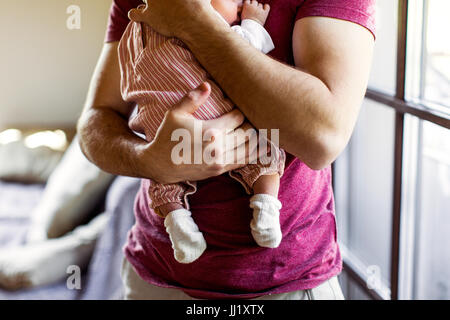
(428, 69)
(432, 274)
(382, 76)
(364, 221)
(437, 53)
(392, 183)
(426, 169)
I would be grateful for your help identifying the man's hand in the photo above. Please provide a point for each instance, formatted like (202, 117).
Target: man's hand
(172, 17)
(155, 159)
(253, 10)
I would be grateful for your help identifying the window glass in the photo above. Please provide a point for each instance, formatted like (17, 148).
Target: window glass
(428, 54)
(437, 52)
(432, 272)
(383, 73)
(363, 189)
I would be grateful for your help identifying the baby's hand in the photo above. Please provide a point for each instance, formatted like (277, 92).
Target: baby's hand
(251, 9)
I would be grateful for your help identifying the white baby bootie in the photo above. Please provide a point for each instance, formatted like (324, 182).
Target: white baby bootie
(265, 224)
(187, 241)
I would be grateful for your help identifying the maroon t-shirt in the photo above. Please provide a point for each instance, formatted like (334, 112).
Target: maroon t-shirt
(233, 265)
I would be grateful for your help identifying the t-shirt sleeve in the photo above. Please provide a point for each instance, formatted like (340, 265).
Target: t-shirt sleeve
(361, 12)
(118, 18)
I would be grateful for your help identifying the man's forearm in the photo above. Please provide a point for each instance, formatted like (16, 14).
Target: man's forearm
(107, 141)
(105, 138)
(271, 94)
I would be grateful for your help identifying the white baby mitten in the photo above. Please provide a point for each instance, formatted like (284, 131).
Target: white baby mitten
(265, 224)
(187, 241)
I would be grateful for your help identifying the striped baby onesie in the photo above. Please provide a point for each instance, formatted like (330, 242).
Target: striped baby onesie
(156, 72)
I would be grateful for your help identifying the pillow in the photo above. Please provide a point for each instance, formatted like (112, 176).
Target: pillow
(20, 163)
(72, 191)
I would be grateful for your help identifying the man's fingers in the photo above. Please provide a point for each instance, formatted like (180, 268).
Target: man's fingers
(246, 154)
(246, 126)
(225, 143)
(229, 121)
(233, 145)
(137, 14)
(240, 156)
(243, 155)
(241, 135)
(194, 99)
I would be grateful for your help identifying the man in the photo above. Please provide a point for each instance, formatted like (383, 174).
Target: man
(314, 105)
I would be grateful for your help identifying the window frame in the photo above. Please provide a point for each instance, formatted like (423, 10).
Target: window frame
(402, 107)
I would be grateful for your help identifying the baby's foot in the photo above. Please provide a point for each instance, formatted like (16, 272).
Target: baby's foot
(187, 241)
(265, 224)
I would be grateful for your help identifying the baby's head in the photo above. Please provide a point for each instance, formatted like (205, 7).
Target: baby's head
(228, 9)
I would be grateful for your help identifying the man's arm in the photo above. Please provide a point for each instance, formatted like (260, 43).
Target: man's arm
(314, 105)
(105, 138)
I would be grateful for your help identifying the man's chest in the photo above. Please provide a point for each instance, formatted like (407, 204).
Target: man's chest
(280, 25)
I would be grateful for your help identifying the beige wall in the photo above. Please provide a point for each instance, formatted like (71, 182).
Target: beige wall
(45, 68)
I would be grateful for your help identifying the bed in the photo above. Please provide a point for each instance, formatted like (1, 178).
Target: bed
(101, 280)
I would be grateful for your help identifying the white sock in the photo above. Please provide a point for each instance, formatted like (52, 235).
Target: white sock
(187, 241)
(265, 224)
(47, 261)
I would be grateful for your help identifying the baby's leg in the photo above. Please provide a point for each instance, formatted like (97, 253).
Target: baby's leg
(266, 207)
(187, 241)
(267, 184)
(167, 208)
(263, 180)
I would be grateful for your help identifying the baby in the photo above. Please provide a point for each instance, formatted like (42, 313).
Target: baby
(156, 72)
